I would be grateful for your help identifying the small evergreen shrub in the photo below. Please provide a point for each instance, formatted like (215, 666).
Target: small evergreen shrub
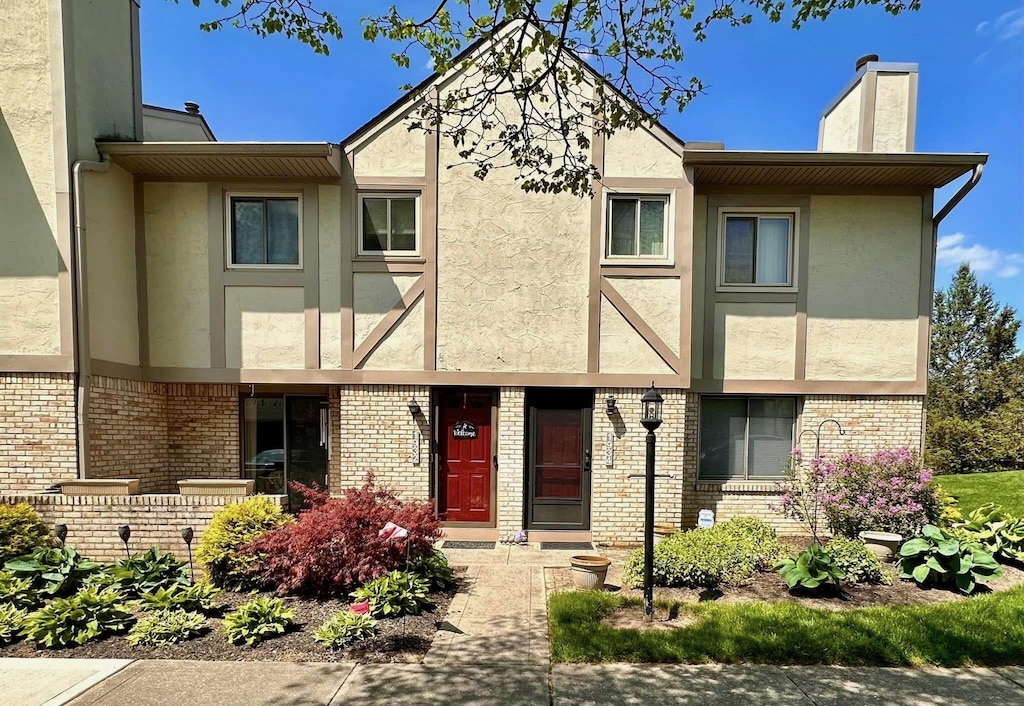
(345, 627)
(21, 531)
(937, 557)
(233, 527)
(257, 620)
(88, 614)
(860, 564)
(17, 591)
(147, 572)
(166, 627)
(54, 571)
(812, 569)
(730, 552)
(12, 619)
(394, 594)
(202, 598)
(433, 567)
(335, 543)
(949, 508)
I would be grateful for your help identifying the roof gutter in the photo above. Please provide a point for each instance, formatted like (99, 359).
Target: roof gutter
(80, 308)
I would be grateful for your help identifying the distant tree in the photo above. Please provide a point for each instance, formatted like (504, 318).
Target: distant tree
(520, 104)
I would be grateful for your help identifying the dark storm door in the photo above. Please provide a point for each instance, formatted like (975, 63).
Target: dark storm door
(465, 455)
(305, 445)
(558, 472)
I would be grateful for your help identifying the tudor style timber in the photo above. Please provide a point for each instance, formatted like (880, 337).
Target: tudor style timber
(179, 308)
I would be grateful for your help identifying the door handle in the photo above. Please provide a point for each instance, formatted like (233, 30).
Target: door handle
(586, 461)
(495, 459)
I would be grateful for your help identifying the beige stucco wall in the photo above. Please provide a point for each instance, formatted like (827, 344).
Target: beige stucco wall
(623, 350)
(264, 327)
(637, 153)
(841, 128)
(168, 127)
(110, 249)
(863, 288)
(892, 104)
(394, 151)
(330, 275)
(755, 341)
(656, 300)
(178, 274)
(373, 297)
(402, 349)
(28, 251)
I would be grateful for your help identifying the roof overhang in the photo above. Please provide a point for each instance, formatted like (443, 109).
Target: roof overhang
(284, 160)
(828, 169)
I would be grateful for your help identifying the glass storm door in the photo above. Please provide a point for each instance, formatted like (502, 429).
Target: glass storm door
(558, 472)
(284, 439)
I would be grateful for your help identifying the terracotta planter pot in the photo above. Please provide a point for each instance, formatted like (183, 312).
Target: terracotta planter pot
(589, 572)
(883, 544)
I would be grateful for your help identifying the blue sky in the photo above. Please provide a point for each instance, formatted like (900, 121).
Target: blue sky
(766, 85)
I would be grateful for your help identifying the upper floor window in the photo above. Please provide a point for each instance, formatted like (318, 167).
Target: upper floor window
(388, 224)
(756, 250)
(264, 231)
(745, 438)
(637, 228)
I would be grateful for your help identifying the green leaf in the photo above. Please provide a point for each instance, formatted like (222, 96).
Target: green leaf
(933, 533)
(915, 546)
(933, 564)
(948, 547)
(920, 573)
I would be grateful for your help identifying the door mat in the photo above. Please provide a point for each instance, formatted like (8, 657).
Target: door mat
(575, 546)
(449, 544)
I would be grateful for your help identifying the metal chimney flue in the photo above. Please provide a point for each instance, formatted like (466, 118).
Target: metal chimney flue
(191, 107)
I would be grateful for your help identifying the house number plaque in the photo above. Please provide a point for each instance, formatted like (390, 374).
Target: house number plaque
(464, 430)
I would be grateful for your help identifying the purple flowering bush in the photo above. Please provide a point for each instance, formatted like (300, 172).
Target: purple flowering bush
(887, 491)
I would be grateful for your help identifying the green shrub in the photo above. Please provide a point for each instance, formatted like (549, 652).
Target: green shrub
(202, 598)
(54, 572)
(393, 594)
(345, 627)
(949, 507)
(11, 621)
(730, 552)
(166, 627)
(257, 620)
(937, 557)
(233, 527)
(76, 620)
(17, 591)
(148, 572)
(433, 567)
(988, 441)
(812, 569)
(860, 564)
(21, 530)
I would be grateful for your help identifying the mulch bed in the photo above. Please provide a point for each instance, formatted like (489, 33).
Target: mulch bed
(397, 640)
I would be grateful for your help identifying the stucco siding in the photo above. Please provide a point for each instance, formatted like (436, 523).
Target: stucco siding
(892, 105)
(110, 247)
(623, 350)
(863, 290)
(637, 153)
(264, 327)
(755, 341)
(29, 257)
(841, 127)
(656, 300)
(402, 349)
(394, 151)
(178, 274)
(373, 297)
(330, 276)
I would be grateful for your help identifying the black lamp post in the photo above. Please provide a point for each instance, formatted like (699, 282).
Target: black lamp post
(187, 534)
(125, 532)
(650, 417)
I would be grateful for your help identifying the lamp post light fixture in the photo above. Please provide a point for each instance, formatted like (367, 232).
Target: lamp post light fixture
(650, 416)
(610, 405)
(187, 534)
(414, 406)
(60, 531)
(125, 533)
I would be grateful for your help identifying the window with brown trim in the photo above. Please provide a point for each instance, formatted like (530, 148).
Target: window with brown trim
(745, 438)
(637, 227)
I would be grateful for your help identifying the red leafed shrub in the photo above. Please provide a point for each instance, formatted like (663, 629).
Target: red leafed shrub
(334, 545)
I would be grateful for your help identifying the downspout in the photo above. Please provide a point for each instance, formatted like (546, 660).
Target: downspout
(80, 308)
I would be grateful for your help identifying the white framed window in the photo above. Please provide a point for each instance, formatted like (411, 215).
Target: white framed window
(637, 228)
(756, 249)
(389, 224)
(264, 230)
(745, 438)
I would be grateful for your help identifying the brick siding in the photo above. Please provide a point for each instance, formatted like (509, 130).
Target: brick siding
(511, 474)
(37, 430)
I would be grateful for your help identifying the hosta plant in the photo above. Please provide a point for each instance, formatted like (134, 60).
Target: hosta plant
(11, 621)
(999, 533)
(937, 557)
(433, 567)
(146, 572)
(54, 572)
(17, 591)
(345, 627)
(396, 593)
(166, 627)
(257, 620)
(201, 597)
(88, 614)
(812, 569)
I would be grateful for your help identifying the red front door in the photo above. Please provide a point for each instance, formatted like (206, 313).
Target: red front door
(465, 455)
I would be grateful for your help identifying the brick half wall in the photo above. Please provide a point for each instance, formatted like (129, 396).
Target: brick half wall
(37, 431)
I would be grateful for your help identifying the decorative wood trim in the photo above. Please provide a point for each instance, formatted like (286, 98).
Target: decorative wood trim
(141, 278)
(428, 239)
(389, 322)
(37, 364)
(642, 271)
(868, 98)
(311, 272)
(640, 326)
(809, 387)
(111, 369)
(911, 110)
(597, 145)
(388, 183)
(349, 233)
(803, 248)
(684, 262)
(756, 297)
(927, 287)
(215, 247)
(380, 266)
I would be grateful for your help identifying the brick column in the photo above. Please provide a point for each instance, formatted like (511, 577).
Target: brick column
(511, 454)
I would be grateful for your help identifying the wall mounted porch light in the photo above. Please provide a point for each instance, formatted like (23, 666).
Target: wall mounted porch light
(414, 406)
(610, 405)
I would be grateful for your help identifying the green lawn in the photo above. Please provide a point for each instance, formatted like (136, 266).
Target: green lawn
(1004, 488)
(982, 631)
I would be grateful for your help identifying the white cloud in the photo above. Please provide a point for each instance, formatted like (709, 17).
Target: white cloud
(953, 249)
(981, 26)
(1007, 26)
